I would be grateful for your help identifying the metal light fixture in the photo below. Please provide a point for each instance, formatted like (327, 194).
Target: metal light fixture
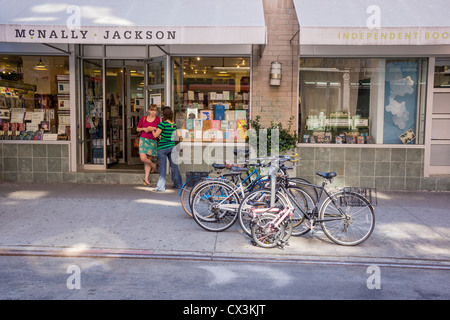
(40, 66)
(275, 73)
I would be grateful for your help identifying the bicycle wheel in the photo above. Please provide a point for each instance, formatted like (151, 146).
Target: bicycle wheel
(200, 183)
(214, 206)
(265, 234)
(301, 202)
(186, 191)
(347, 218)
(259, 199)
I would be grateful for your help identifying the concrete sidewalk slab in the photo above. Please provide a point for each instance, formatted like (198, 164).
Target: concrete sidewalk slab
(410, 226)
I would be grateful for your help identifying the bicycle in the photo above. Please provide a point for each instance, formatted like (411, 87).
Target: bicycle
(262, 198)
(338, 218)
(214, 202)
(191, 184)
(215, 207)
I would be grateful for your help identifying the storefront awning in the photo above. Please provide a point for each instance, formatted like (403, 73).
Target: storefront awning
(373, 22)
(158, 22)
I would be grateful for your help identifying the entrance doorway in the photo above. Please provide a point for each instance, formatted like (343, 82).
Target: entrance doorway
(110, 118)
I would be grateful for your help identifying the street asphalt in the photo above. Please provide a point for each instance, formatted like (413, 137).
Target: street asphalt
(412, 228)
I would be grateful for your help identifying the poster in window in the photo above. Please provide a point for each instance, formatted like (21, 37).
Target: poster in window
(400, 99)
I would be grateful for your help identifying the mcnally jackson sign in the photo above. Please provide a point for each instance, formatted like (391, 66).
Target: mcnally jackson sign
(132, 35)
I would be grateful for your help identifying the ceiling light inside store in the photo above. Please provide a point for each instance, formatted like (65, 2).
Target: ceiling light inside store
(231, 68)
(40, 66)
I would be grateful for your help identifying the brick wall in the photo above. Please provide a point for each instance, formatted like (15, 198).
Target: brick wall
(274, 103)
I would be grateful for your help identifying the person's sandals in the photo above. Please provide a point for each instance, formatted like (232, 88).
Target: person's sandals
(146, 184)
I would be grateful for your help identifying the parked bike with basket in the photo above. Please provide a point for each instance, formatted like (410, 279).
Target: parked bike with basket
(346, 217)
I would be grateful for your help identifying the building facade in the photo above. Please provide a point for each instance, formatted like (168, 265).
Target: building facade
(369, 100)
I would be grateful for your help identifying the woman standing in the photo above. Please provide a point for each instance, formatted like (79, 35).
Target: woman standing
(167, 129)
(148, 146)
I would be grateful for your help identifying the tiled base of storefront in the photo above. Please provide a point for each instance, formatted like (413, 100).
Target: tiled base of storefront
(375, 167)
(381, 168)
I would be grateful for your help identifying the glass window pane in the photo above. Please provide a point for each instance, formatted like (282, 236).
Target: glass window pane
(442, 73)
(211, 97)
(34, 97)
(361, 100)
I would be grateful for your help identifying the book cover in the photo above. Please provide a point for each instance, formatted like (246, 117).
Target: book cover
(224, 125)
(206, 124)
(240, 114)
(215, 124)
(198, 124)
(191, 113)
(219, 112)
(242, 124)
(229, 115)
(189, 124)
(206, 115)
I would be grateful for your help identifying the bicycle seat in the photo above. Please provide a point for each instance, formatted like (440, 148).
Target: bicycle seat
(327, 175)
(238, 170)
(218, 166)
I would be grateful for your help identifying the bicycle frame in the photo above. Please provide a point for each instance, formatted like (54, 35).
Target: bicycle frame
(281, 215)
(322, 190)
(240, 188)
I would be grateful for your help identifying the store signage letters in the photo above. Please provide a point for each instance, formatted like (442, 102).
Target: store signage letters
(108, 34)
(132, 35)
(42, 34)
(381, 36)
(87, 36)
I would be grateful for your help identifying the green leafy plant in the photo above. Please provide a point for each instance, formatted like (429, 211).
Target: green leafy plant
(287, 139)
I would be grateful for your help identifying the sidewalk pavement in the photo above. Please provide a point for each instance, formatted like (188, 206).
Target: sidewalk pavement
(412, 228)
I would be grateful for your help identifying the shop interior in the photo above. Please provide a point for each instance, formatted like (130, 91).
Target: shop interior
(34, 98)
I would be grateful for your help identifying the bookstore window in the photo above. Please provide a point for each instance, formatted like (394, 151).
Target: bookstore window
(442, 73)
(211, 97)
(362, 100)
(34, 97)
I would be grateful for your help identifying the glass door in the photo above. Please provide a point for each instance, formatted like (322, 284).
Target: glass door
(155, 88)
(115, 120)
(92, 115)
(135, 107)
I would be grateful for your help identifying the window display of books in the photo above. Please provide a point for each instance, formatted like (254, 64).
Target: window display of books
(213, 116)
(25, 115)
